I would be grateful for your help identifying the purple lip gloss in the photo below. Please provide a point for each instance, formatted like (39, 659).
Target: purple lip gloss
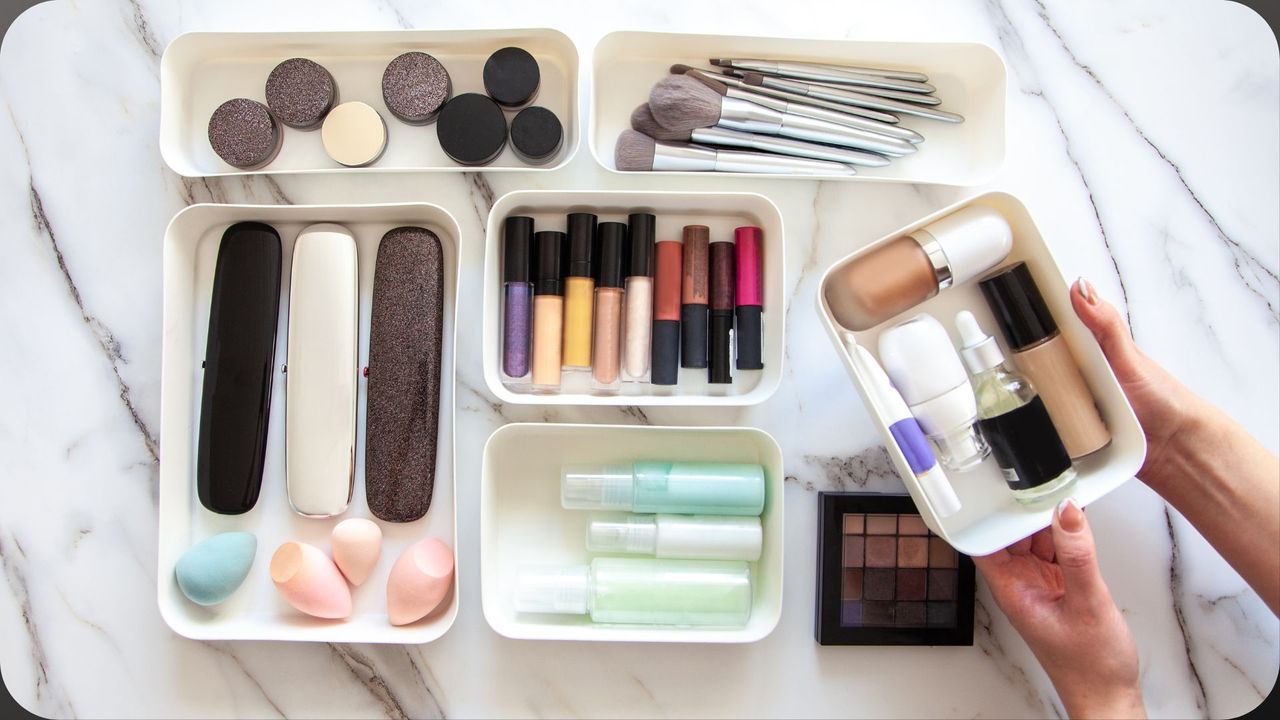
(517, 302)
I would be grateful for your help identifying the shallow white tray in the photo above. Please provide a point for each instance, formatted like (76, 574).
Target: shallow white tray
(256, 611)
(970, 80)
(201, 70)
(721, 212)
(990, 518)
(522, 522)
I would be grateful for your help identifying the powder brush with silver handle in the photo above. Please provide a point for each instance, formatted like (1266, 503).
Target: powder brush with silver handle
(801, 71)
(638, 152)
(643, 121)
(680, 102)
(847, 97)
(734, 87)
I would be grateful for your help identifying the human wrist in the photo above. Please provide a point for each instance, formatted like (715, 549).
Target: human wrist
(1123, 702)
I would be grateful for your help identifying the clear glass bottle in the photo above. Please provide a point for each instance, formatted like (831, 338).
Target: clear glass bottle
(1014, 421)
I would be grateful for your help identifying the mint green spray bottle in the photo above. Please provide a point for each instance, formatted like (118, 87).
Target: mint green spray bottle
(689, 488)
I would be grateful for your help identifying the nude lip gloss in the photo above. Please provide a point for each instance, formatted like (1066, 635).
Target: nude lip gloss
(721, 313)
(693, 312)
(517, 305)
(548, 309)
(638, 325)
(666, 314)
(749, 296)
(606, 353)
(579, 286)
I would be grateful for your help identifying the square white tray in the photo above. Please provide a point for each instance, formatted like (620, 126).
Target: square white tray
(256, 610)
(721, 212)
(201, 70)
(990, 518)
(969, 77)
(522, 522)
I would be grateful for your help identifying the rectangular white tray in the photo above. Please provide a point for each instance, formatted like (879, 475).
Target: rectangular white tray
(990, 518)
(256, 611)
(201, 70)
(721, 212)
(969, 77)
(522, 522)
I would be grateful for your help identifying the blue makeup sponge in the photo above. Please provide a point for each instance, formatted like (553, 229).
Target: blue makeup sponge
(209, 571)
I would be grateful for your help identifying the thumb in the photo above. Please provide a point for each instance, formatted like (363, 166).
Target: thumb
(1109, 330)
(1076, 555)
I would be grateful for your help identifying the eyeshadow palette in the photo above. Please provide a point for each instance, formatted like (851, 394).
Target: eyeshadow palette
(885, 579)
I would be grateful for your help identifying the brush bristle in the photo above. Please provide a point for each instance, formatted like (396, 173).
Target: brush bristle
(709, 80)
(718, 62)
(634, 152)
(679, 69)
(679, 102)
(753, 78)
(643, 121)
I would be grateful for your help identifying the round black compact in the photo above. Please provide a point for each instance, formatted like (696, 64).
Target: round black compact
(536, 135)
(472, 129)
(511, 77)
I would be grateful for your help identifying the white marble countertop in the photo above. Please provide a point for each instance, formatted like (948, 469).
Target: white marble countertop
(1142, 136)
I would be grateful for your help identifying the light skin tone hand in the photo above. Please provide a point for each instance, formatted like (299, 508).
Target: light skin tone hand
(1199, 460)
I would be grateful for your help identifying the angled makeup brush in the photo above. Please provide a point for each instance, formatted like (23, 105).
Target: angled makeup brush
(642, 121)
(848, 97)
(832, 76)
(680, 102)
(639, 152)
(733, 87)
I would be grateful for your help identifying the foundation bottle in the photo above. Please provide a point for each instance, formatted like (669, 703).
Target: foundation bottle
(637, 327)
(548, 310)
(1040, 351)
(606, 352)
(579, 285)
(891, 278)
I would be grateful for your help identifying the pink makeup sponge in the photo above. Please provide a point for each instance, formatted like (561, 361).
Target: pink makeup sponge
(309, 581)
(356, 544)
(419, 580)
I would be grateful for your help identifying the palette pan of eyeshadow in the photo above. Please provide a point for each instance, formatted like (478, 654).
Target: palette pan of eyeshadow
(885, 579)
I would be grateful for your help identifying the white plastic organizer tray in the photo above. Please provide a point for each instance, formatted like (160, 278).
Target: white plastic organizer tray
(523, 523)
(201, 70)
(256, 611)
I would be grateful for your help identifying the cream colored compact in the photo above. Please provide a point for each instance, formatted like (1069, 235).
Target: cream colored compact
(354, 134)
(320, 388)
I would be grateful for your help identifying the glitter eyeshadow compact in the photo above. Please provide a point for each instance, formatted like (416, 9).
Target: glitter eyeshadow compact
(885, 579)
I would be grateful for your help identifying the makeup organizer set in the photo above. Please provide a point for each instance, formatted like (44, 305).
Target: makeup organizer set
(625, 298)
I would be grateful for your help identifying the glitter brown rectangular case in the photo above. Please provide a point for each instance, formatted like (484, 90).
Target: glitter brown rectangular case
(405, 336)
(239, 354)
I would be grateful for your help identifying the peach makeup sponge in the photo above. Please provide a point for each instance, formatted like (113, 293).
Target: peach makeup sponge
(356, 544)
(309, 581)
(419, 580)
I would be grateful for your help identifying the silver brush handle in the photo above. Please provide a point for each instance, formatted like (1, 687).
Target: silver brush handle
(811, 129)
(672, 157)
(821, 113)
(898, 95)
(846, 97)
(782, 146)
(896, 74)
(764, 163)
(737, 82)
(844, 77)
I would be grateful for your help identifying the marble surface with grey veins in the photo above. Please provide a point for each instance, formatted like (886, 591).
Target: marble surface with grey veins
(1142, 136)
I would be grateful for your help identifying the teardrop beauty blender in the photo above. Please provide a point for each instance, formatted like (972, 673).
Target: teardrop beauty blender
(419, 580)
(209, 571)
(356, 544)
(309, 581)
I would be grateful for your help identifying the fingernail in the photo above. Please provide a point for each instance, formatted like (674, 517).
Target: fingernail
(1070, 518)
(1085, 288)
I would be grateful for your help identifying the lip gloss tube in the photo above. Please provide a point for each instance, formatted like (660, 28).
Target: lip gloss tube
(693, 311)
(606, 352)
(517, 296)
(721, 313)
(749, 296)
(666, 314)
(548, 310)
(579, 286)
(637, 327)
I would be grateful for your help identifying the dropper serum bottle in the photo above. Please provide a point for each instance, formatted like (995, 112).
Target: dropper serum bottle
(1013, 419)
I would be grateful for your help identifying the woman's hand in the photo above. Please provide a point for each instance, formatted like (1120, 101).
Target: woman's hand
(1050, 587)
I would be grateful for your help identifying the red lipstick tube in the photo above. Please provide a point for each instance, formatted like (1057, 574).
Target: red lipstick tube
(747, 243)
(721, 314)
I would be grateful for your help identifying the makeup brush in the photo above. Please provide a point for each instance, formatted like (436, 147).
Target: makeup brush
(848, 97)
(680, 102)
(733, 87)
(899, 95)
(639, 152)
(897, 74)
(809, 73)
(642, 121)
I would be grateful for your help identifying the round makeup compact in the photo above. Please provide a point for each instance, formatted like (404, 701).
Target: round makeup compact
(300, 92)
(472, 129)
(415, 86)
(511, 77)
(536, 135)
(244, 134)
(354, 134)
